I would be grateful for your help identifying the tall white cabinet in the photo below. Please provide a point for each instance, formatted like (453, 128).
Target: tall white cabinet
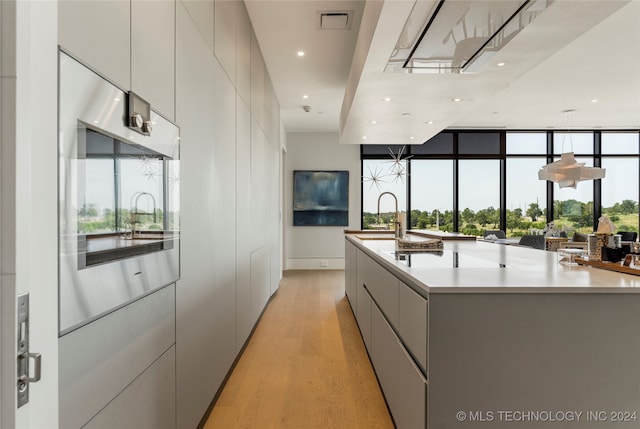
(153, 25)
(198, 64)
(99, 34)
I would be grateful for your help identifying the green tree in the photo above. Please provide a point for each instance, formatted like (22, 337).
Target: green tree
(514, 219)
(483, 217)
(534, 211)
(467, 215)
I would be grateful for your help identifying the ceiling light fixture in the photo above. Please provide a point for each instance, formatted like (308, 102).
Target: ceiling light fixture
(364, 137)
(595, 100)
(501, 64)
(429, 122)
(305, 96)
(455, 100)
(373, 122)
(567, 172)
(386, 99)
(301, 53)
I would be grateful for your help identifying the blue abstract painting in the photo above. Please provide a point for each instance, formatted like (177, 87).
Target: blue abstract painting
(320, 198)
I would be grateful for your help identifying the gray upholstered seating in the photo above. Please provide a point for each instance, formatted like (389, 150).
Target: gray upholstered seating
(628, 235)
(535, 241)
(497, 232)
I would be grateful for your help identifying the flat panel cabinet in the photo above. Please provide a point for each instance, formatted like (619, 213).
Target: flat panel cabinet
(363, 313)
(413, 316)
(351, 280)
(98, 34)
(153, 54)
(393, 321)
(383, 287)
(404, 386)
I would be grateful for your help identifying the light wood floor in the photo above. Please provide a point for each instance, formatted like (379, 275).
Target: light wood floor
(305, 365)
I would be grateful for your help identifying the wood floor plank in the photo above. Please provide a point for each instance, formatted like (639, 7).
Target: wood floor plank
(305, 365)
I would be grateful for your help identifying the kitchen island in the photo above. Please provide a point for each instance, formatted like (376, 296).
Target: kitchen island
(480, 335)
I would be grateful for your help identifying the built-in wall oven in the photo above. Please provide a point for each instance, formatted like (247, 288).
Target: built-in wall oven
(119, 184)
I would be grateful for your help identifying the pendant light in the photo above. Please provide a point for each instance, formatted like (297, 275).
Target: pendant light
(567, 172)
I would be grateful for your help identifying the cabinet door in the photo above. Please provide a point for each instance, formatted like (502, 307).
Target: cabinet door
(403, 385)
(351, 279)
(152, 54)
(384, 289)
(413, 319)
(363, 314)
(98, 34)
(347, 270)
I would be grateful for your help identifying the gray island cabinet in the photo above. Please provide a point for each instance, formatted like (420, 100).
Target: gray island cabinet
(482, 335)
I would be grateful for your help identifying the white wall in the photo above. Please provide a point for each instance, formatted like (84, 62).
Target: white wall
(309, 247)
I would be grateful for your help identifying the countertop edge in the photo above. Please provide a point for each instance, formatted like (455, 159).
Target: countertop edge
(422, 288)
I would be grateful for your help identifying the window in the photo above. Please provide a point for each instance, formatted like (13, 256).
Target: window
(479, 195)
(620, 143)
(461, 170)
(526, 143)
(432, 194)
(573, 208)
(620, 192)
(479, 143)
(526, 196)
(578, 143)
(378, 176)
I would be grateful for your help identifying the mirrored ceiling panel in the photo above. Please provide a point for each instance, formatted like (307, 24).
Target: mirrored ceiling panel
(457, 36)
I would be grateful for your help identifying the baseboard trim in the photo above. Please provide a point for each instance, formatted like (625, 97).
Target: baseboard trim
(315, 264)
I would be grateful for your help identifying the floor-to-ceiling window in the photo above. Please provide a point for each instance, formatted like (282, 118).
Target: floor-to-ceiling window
(479, 195)
(620, 187)
(432, 194)
(526, 205)
(573, 208)
(470, 181)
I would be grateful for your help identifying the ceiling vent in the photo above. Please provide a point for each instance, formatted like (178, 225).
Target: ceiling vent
(334, 20)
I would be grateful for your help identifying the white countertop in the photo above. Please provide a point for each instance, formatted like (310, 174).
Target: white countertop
(484, 267)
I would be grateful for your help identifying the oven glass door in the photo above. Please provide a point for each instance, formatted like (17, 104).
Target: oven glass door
(119, 194)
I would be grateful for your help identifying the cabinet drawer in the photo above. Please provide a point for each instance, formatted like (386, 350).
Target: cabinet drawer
(383, 287)
(403, 385)
(413, 320)
(363, 314)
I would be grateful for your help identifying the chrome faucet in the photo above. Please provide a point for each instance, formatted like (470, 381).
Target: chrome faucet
(398, 226)
(134, 210)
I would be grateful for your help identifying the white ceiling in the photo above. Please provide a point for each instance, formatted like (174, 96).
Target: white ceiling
(574, 52)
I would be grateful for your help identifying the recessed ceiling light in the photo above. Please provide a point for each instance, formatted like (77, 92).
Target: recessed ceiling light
(116, 99)
(364, 137)
(411, 137)
(429, 122)
(373, 122)
(455, 100)
(387, 99)
(501, 64)
(595, 100)
(301, 53)
(96, 122)
(305, 96)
